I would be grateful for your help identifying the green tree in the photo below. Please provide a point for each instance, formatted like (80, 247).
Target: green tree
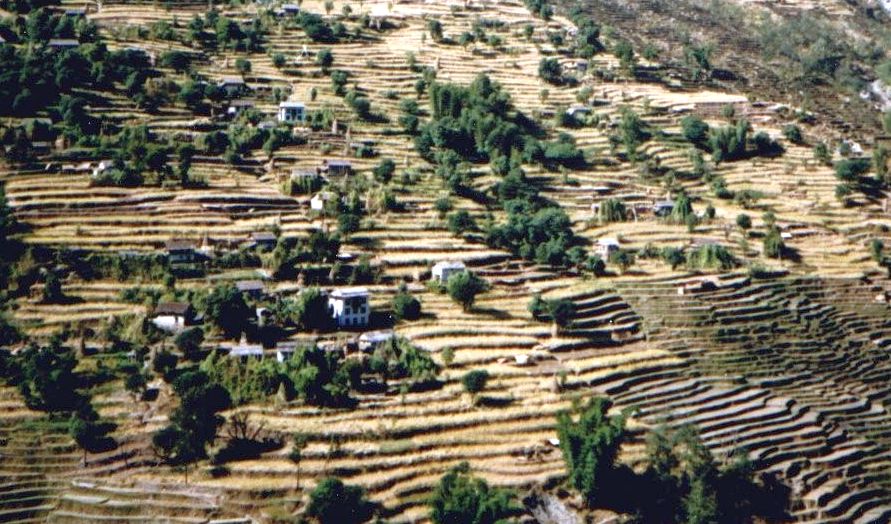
(461, 221)
(590, 446)
(550, 70)
(195, 422)
(405, 305)
(435, 28)
(189, 342)
(475, 381)
(773, 243)
(311, 310)
(325, 58)
(464, 287)
(227, 311)
(694, 129)
(383, 172)
(673, 256)
(461, 498)
(333, 502)
(743, 221)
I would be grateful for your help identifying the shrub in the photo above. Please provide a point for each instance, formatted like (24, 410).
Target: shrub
(383, 172)
(743, 221)
(475, 381)
(332, 501)
(773, 243)
(461, 498)
(793, 134)
(849, 170)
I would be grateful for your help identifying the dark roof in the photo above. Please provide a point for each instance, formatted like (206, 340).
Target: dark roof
(172, 308)
(263, 236)
(179, 245)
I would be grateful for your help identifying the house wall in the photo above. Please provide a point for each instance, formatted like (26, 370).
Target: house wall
(351, 312)
(169, 322)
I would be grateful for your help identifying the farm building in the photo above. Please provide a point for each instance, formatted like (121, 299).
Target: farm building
(317, 202)
(291, 112)
(237, 107)
(180, 251)
(606, 247)
(441, 271)
(251, 288)
(287, 10)
(263, 240)
(172, 316)
(370, 340)
(349, 307)
(243, 350)
(76, 12)
(63, 43)
(576, 111)
(337, 167)
(663, 208)
(232, 85)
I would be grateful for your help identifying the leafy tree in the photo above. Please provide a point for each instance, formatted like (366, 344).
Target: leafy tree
(622, 258)
(550, 70)
(311, 310)
(164, 363)
(189, 342)
(333, 502)
(406, 306)
(694, 129)
(673, 256)
(226, 310)
(463, 287)
(729, 143)
(711, 256)
(460, 497)
(590, 446)
(743, 221)
(88, 433)
(612, 210)
(475, 381)
(52, 288)
(243, 66)
(195, 422)
(383, 172)
(48, 381)
(822, 153)
(849, 170)
(435, 28)
(773, 243)
(793, 134)
(876, 248)
(325, 58)
(625, 53)
(460, 222)
(299, 443)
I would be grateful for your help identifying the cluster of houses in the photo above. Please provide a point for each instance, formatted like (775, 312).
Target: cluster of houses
(289, 111)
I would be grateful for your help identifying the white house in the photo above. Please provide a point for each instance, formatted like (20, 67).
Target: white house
(172, 316)
(317, 202)
(244, 351)
(349, 307)
(292, 112)
(288, 10)
(443, 270)
(370, 340)
(606, 247)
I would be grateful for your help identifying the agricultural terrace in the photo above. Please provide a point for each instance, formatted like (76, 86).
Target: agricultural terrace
(696, 318)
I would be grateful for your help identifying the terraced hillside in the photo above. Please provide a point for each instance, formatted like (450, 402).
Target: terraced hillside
(780, 357)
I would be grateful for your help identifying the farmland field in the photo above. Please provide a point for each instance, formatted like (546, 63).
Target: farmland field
(692, 227)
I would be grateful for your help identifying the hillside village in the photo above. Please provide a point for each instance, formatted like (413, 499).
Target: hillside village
(336, 261)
